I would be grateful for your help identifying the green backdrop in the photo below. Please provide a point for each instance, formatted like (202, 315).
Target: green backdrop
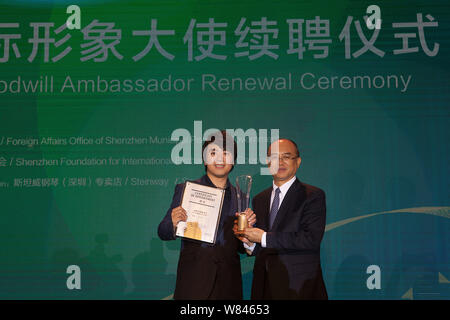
(369, 110)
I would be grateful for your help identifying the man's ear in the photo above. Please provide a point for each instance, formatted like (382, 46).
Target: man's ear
(299, 160)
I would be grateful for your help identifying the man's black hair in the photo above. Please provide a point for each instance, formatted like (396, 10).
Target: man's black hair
(223, 141)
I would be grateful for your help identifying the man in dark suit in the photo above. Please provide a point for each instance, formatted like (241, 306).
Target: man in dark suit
(290, 223)
(208, 271)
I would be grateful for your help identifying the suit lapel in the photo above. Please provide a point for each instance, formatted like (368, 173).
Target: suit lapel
(294, 195)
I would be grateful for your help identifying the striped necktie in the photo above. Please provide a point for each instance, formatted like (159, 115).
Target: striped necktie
(275, 205)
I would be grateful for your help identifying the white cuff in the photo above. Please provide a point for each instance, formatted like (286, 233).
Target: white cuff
(263, 240)
(251, 248)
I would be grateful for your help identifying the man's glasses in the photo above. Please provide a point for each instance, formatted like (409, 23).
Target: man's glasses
(286, 157)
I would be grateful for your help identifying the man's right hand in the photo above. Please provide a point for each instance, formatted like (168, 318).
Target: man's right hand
(178, 214)
(238, 234)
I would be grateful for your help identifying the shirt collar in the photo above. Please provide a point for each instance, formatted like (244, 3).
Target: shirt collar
(208, 182)
(285, 187)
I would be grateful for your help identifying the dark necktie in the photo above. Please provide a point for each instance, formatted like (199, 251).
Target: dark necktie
(274, 209)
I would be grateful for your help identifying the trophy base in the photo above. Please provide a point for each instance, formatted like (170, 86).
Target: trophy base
(242, 222)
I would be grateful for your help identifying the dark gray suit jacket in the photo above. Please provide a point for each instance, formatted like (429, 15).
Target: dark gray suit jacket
(289, 266)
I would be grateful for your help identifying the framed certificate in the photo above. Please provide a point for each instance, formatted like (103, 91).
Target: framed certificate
(203, 205)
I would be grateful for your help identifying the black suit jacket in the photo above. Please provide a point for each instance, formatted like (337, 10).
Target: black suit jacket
(207, 271)
(289, 266)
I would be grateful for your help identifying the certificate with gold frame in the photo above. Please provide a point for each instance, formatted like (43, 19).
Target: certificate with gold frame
(203, 205)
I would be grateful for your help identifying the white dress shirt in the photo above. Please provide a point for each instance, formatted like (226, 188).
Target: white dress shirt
(283, 191)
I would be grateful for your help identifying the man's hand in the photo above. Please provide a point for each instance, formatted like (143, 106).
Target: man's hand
(238, 234)
(251, 217)
(253, 234)
(178, 214)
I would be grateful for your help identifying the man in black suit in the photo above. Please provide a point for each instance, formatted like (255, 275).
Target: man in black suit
(208, 271)
(290, 223)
